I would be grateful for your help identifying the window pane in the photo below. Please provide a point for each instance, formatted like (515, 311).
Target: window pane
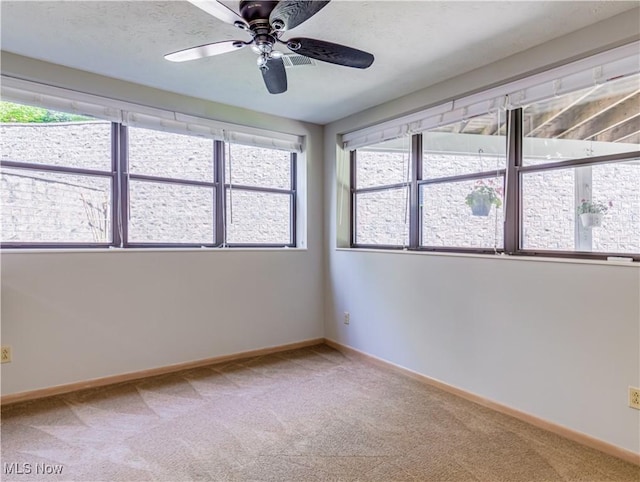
(596, 121)
(470, 146)
(170, 213)
(258, 217)
(548, 210)
(382, 217)
(464, 214)
(48, 207)
(383, 164)
(164, 154)
(592, 208)
(618, 185)
(40, 136)
(255, 166)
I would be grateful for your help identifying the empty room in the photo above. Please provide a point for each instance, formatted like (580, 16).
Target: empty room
(320, 240)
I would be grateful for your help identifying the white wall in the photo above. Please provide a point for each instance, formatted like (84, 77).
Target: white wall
(77, 316)
(72, 316)
(559, 340)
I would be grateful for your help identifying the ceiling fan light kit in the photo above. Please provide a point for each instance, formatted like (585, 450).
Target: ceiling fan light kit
(266, 22)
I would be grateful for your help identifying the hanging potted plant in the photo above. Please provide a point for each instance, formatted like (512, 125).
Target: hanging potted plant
(591, 212)
(482, 197)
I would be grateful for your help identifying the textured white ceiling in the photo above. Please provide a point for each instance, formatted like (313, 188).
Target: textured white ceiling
(416, 44)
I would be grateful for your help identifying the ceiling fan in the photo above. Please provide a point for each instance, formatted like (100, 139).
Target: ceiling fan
(266, 22)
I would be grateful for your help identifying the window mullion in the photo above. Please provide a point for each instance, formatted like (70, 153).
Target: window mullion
(414, 206)
(170, 180)
(586, 161)
(462, 177)
(352, 197)
(220, 196)
(513, 192)
(60, 169)
(123, 159)
(294, 194)
(272, 190)
(116, 238)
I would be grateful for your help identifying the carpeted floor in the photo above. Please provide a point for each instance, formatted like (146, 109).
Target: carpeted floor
(304, 415)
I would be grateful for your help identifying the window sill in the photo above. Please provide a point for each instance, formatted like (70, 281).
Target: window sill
(543, 259)
(6, 251)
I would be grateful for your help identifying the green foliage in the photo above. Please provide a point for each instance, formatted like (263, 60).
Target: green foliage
(593, 207)
(483, 192)
(10, 112)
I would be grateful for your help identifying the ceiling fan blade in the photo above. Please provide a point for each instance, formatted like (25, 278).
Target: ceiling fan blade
(275, 77)
(332, 53)
(218, 10)
(207, 50)
(289, 14)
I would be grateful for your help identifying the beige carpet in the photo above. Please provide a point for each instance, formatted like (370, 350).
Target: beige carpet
(303, 415)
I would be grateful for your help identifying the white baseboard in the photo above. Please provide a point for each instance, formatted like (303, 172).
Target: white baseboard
(137, 375)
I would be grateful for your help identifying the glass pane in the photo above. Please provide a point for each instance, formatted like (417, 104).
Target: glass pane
(618, 186)
(258, 217)
(597, 121)
(170, 213)
(383, 164)
(464, 214)
(470, 146)
(548, 210)
(592, 208)
(260, 167)
(382, 217)
(164, 154)
(41, 136)
(47, 207)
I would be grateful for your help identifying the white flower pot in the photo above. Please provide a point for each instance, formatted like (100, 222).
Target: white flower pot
(481, 206)
(591, 220)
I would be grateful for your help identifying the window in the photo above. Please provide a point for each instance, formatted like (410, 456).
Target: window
(171, 189)
(381, 190)
(260, 196)
(452, 169)
(71, 180)
(462, 186)
(557, 176)
(554, 201)
(58, 178)
(580, 174)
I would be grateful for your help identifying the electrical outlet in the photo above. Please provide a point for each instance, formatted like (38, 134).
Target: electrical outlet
(347, 317)
(6, 353)
(634, 397)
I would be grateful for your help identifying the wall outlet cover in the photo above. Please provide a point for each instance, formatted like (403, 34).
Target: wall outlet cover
(6, 353)
(634, 397)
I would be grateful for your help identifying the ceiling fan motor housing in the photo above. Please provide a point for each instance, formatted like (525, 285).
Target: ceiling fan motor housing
(253, 11)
